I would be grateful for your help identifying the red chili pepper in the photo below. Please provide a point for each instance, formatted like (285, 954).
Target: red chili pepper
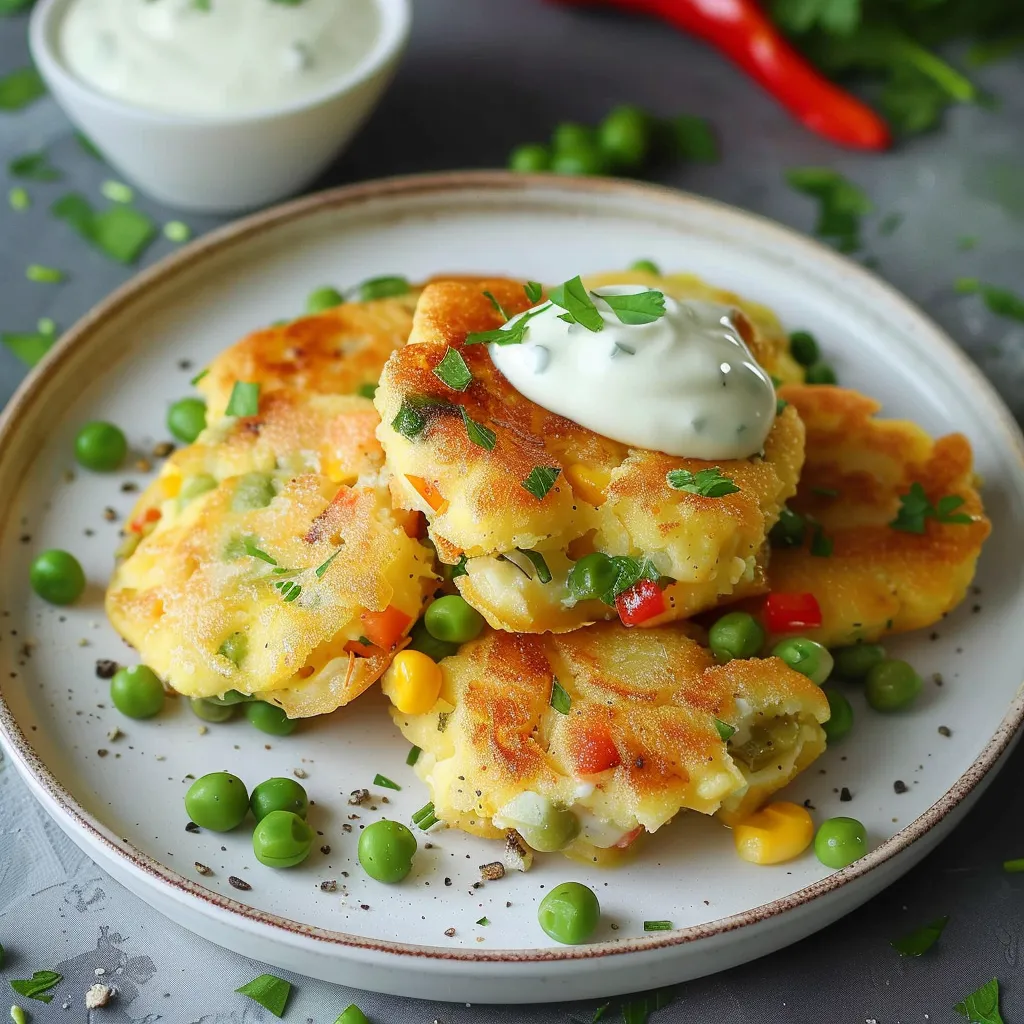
(641, 602)
(788, 613)
(596, 753)
(745, 34)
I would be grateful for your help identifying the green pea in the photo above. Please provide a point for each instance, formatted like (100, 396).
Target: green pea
(193, 486)
(137, 692)
(857, 660)
(892, 685)
(841, 720)
(269, 718)
(352, 1015)
(278, 795)
(625, 137)
(647, 266)
(530, 159)
(840, 841)
(452, 618)
(217, 801)
(592, 576)
(253, 490)
(807, 657)
(421, 640)
(100, 446)
(803, 346)
(570, 135)
(820, 373)
(582, 161)
(56, 576)
(386, 850)
(788, 532)
(383, 288)
(545, 826)
(230, 698)
(282, 840)
(323, 298)
(570, 913)
(186, 419)
(211, 710)
(235, 648)
(735, 635)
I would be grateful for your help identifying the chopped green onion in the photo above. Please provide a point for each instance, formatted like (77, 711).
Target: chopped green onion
(44, 275)
(560, 699)
(541, 567)
(255, 552)
(117, 191)
(245, 399)
(289, 590)
(483, 921)
(725, 731)
(18, 1015)
(44, 325)
(199, 376)
(20, 88)
(322, 568)
(27, 346)
(1013, 867)
(121, 232)
(413, 756)
(18, 198)
(270, 992)
(34, 167)
(383, 780)
(425, 818)
(657, 926)
(177, 231)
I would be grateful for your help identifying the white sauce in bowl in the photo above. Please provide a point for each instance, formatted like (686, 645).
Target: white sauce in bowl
(685, 384)
(216, 57)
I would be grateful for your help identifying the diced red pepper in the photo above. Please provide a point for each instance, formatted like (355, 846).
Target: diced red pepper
(644, 600)
(384, 629)
(627, 840)
(596, 753)
(789, 613)
(140, 522)
(360, 649)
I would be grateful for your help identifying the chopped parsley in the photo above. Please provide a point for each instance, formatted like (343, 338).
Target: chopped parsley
(31, 346)
(641, 308)
(33, 167)
(383, 780)
(578, 305)
(413, 756)
(409, 422)
(38, 986)
(919, 941)
(628, 572)
(270, 992)
(1000, 301)
(982, 1005)
(480, 435)
(540, 480)
(255, 552)
(789, 531)
(497, 306)
(708, 483)
(20, 88)
(44, 275)
(425, 818)
(453, 371)
(560, 699)
(916, 508)
(657, 926)
(18, 198)
(725, 730)
(121, 232)
(483, 921)
(459, 568)
(825, 492)
(512, 333)
(533, 291)
(841, 204)
(244, 400)
(821, 546)
(289, 589)
(541, 567)
(322, 568)
(693, 138)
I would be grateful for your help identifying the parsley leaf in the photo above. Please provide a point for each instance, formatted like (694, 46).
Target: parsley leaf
(30, 347)
(639, 1009)
(725, 730)
(692, 138)
(540, 480)
(982, 1006)
(38, 986)
(512, 333)
(578, 305)
(121, 232)
(497, 306)
(34, 167)
(560, 700)
(270, 992)
(20, 88)
(841, 204)
(413, 756)
(453, 371)
(409, 422)
(628, 571)
(459, 568)
(480, 435)
(916, 508)
(641, 308)
(533, 290)
(1000, 301)
(708, 483)
(921, 939)
(789, 531)
(244, 400)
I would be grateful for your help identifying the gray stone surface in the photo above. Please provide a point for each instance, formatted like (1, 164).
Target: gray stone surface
(481, 76)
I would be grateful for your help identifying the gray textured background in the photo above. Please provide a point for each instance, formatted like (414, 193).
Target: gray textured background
(481, 76)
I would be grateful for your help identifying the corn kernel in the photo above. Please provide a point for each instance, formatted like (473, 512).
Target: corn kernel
(589, 482)
(777, 833)
(412, 683)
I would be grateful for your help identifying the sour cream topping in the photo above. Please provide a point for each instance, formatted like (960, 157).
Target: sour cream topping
(686, 384)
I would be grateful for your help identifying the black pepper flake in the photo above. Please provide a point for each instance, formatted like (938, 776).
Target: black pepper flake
(364, 906)
(163, 449)
(325, 849)
(184, 364)
(937, 678)
(105, 668)
(329, 886)
(129, 487)
(191, 827)
(845, 795)
(346, 827)
(809, 805)
(944, 730)
(358, 797)
(447, 881)
(238, 883)
(976, 608)
(102, 753)
(203, 869)
(899, 786)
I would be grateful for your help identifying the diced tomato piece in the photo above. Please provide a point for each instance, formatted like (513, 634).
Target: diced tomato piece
(384, 629)
(428, 492)
(596, 753)
(788, 613)
(627, 840)
(140, 522)
(644, 600)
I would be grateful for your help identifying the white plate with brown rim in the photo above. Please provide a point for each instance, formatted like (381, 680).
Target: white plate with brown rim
(121, 799)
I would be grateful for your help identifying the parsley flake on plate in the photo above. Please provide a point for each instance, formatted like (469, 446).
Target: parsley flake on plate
(269, 991)
(540, 480)
(708, 483)
(177, 231)
(1000, 301)
(916, 508)
(20, 88)
(560, 699)
(453, 371)
(244, 400)
(657, 926)
(841, 204)
(919, 941)
(578, 305)
(44, 275)
(38, 986)
(33, 167)
(982, 1005)
(639, 308)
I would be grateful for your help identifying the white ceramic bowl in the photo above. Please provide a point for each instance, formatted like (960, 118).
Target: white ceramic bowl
(222, 163)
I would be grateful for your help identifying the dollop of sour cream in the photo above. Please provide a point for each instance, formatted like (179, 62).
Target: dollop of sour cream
(686, 384)
(215, 57)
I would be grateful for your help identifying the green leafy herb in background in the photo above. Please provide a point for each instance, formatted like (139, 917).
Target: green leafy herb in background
(31, 346)
(919, 941)
(38, 986)
(121, 232)
(14, 6)
(841, 204)
(540, 480)
(34, 167)
(1000, 301)
(20, 88)
(270, 992)
(982, 1006)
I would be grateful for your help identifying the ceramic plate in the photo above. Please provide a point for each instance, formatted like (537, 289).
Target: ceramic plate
(120, 798)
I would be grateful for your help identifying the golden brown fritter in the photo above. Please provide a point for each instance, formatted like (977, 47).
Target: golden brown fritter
(608, 497)
(638, 737)
(878, 579)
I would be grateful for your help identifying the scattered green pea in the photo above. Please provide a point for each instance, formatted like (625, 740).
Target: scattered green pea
(820, 373)
(100, 446)
(323, 298)
(853, 663)
(579, 161)
(270, 719)
(841, 720)
(803, 346)
(386, 850)
(352, 1015)
(235, 647)
(736, 635)
(570, 913)
(230, 698)
(217, 801)
(211, 711)
(530, 159)
(137, 691)
(592, 576)
(625, 137)
(570, 135)
(278, 794)
(892, 685)
(186, 419)
(56, 576)
(807, 657)
(647, 266)
(840, 841)
(453, 619)
(282, 839)
(421, 640)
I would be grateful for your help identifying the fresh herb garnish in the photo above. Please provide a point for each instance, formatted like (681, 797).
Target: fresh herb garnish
(534, 291)
(383, 780)
(409, 422)
(14, 6)
(177, 231)
(270, 992)
(543, 572)
(725, 730)
(199, 376)
(322, 568)
(87, 146)
(425, 818)
(382, 287)
(38, 986)
(255, 552)
(497, 306)
(982, 1005)
(244, 400)
(459, 568)
(841, 204)
(560, 699)
(708, 483)
(788, 532)
(825, 492)
(540, 480)
(365, 640)
(367, 390)
(640, 308)
(628, 572)
(44, 275)
(31, 346)
(20, 88)
(919, 941)
(578, 305)
(117, 191)
(480, 435)
(821, 546)
(890, 223)
(512, 333)
(33, 167)
(453, 371)
(413, 756)
(657, 926)
(1013, 867)
(121, 232)
(483, 921)
(1000, 301)
(916, 508)
(18, 198)
(289, 590)
(639, 1009)
(693, 138)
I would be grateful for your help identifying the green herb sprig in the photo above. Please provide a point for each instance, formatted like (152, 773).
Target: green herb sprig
(269, 991)
(916, 509)
(708, 483)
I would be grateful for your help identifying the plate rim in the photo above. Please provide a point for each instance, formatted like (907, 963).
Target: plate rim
(60, 803)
